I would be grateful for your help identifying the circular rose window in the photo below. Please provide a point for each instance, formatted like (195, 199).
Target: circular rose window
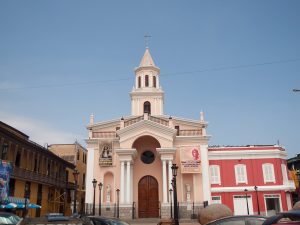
(147, 157)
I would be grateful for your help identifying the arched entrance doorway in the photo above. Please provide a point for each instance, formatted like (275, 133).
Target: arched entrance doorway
(148, 197)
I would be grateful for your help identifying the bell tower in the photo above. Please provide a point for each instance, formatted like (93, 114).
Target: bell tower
(147, 96)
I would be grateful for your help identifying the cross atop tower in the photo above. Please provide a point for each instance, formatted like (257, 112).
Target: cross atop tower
(147, 36)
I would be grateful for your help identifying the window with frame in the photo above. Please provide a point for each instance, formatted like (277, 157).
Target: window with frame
(240, 174)
(284, 173)
(4, 151)
(11, 190)
(268, 172)
(216, 200)
(215, 174)
(18, 159)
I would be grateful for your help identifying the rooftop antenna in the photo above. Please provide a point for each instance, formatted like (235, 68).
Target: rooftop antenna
(147, 36)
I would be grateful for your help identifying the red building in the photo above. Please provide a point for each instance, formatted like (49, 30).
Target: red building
(251, 179)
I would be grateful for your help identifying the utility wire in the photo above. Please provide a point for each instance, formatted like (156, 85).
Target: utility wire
(162, 75)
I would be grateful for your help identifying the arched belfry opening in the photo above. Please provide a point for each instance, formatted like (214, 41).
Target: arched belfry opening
(147, 107)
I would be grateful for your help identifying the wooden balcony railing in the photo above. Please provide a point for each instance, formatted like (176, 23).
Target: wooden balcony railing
(37, 177)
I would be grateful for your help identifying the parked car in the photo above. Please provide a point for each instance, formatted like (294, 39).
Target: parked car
(239, 220)
(96, 220)
(7, 218)
(57, 217)
(287, 218)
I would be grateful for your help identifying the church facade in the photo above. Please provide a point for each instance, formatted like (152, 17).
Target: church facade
(132, 156)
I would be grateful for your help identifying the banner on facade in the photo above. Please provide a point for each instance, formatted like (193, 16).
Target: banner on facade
(190, 159)
(105, 158)
(5, 172)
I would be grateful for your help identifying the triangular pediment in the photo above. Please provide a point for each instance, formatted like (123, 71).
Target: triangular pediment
(147, 127)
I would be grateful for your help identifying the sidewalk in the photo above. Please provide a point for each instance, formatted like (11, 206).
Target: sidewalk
(73, 221)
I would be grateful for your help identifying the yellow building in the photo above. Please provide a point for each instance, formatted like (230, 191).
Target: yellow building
(35, 169)
(75, 154)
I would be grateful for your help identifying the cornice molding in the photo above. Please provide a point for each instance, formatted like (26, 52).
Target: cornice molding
(126, 154)
(146, 124)
(91, 141)
(147, 92)
(251, 188)
(246, 154)
(166, 153)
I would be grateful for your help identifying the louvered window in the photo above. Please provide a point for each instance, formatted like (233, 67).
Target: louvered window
(240, 174)
(215, 174)
(268, 172)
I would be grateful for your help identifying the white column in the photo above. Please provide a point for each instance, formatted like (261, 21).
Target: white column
(131, 184)
(170, 176)
(128, 180)
(205, 173)
(165, 191)
(89, 176)
(122, 191)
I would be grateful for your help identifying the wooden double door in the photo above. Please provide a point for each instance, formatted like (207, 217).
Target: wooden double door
(148, 197)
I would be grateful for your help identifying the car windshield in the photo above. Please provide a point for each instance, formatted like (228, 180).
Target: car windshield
(9, 219)
(117, 222)
(107, 221)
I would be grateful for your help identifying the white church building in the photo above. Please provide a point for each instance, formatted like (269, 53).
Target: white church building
(134, 154)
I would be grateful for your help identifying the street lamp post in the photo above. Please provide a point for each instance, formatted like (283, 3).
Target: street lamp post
(174, 172)
(100, 188)
(75, 174)
(27, 194)
(118, 192)
(247, 201)
(94, 186)
(171, 211)
(257, 202)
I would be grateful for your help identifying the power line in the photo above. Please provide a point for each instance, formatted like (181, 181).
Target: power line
(162, 75)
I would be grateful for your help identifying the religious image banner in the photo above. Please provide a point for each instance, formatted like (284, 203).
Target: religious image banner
(105, 158)
(190, 159)
(5, 172)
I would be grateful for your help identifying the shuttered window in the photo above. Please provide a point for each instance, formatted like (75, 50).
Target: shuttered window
(268, 172)
(215, 174)
(240, 174)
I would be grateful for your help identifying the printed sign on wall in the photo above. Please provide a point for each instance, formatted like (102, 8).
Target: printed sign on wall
(190, 159)
(105, 158)
(5, 171)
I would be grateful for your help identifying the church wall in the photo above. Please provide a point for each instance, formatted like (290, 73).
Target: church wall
(143, 132)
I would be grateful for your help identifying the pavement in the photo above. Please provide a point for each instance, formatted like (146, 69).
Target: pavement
(146, 221)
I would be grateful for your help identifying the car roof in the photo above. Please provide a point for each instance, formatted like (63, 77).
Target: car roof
(237, 217)
(7, 214)
(290, 214)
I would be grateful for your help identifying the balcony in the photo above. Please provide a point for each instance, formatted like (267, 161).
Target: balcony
(33, 176)
(190, 133)
(105, 134)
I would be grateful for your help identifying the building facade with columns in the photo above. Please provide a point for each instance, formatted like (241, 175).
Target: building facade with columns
(132, 158)
(135, 153)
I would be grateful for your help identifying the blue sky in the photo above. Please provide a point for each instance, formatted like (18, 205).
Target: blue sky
(238, 61)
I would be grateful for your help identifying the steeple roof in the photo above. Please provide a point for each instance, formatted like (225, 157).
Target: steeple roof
(147, 59)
